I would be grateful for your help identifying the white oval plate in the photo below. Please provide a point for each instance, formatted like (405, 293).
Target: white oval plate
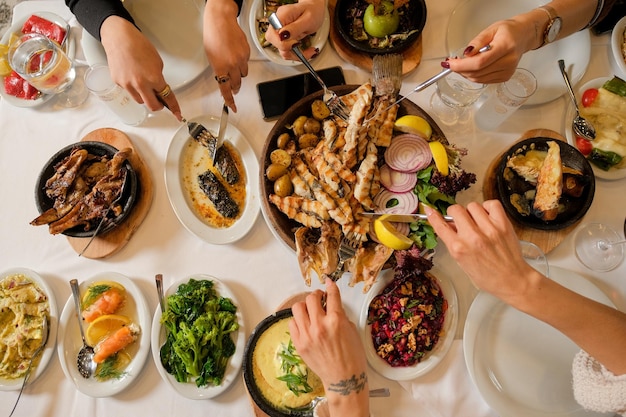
(16, 384)
(71, 342)
(472, 16)
(611, 174)
(178, 196)
(520, 365)
(434, 356)
(16, 28)
(189, 389)
(617, 39)
(318, 41)
(174, 28)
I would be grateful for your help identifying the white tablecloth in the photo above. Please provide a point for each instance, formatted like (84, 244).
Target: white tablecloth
(258, 268)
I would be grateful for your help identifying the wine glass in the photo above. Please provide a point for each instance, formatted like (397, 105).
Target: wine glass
(599, 247)
(45, 66)
(453, 96)
(535, 257)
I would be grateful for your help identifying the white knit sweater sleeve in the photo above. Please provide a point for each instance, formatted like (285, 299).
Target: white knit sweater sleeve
(596, 388)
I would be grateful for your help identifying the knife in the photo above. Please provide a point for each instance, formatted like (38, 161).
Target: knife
(221, 132)
(405, 218)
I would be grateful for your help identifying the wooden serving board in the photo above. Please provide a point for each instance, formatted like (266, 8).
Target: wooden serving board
(111, 242)
(547, 240)
(411, 57)
(285, 304)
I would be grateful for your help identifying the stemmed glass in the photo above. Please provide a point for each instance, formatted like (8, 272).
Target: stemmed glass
(599, 247)
(535, 257)
(453, 96)
(44, 65)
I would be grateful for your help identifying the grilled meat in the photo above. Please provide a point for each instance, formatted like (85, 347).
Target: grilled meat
(226, 166)
(218, 194)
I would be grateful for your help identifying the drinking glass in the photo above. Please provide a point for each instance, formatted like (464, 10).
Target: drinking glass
(44, 65)
(98, 81)
(599, 247)
(505, 98)
(452, 97)
(535, 257)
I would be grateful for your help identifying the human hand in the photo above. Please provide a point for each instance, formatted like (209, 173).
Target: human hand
(509, 40)
(483, 242)
(299, 20)
(330, 345)
(226, 47)
(136, 66)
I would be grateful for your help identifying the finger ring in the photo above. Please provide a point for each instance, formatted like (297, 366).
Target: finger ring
(222, 79)
(165, 92)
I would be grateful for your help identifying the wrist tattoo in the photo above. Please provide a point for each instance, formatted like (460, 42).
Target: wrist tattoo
(347, 386)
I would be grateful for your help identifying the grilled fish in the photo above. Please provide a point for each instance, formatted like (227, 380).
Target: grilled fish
(218, 194)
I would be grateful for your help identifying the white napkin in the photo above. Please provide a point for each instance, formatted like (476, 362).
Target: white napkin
(447, 390)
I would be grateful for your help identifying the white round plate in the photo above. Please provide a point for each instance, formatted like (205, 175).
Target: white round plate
(318, 41)
(174, 28)
(434, 356)
(611, 174)
(178, 195)
(520, 365)
(472, 16)
(189, 389)
(16, 384)
(70, 342)
(617, 41)
(70, 49)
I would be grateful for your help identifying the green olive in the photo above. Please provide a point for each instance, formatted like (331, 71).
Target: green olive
(283, 186)
(275, 171)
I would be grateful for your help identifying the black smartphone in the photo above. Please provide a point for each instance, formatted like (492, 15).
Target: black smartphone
(277, 96)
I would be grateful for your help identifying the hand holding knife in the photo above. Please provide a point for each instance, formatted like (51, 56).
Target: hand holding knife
(221, 133)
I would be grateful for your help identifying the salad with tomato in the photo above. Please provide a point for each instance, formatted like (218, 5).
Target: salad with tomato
(605, 108)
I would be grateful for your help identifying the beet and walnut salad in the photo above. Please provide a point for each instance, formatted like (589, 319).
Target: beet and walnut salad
(407, 317)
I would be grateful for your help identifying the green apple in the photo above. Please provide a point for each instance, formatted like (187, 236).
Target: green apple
(383, 23)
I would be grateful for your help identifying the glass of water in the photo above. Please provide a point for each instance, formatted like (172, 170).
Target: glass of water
(453, 96)
(45, 66)
(505, 98)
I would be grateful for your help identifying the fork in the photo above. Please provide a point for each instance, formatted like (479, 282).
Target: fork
(347, 249)
(332, 100)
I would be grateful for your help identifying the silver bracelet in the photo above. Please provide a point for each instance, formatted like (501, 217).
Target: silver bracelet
(594, 19)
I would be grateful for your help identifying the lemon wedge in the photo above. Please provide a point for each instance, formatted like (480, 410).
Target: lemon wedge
(414, 124)
(104, 326)
(5, 68)
(440, 156)
(388, 235)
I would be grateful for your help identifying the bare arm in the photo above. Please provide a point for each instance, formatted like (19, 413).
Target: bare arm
(483, 242)
(513, 37)
(330, 345)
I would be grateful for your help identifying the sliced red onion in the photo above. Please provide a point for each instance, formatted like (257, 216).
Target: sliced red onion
(408, 153)
(396, 203)
(396, 181)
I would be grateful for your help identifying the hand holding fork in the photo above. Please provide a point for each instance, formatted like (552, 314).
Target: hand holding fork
(347, 249)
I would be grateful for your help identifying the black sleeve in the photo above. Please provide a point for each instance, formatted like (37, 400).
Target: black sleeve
(239, 4)
(91, 13)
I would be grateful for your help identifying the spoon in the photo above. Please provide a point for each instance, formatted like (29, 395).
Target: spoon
(159, 284)
(45, 332)
(604, 245)
(580, 125)
(85, 363)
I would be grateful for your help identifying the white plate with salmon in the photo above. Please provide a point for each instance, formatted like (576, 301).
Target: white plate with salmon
(117, 323)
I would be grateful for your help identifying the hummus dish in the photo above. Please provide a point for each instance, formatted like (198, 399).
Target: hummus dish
(280, 375)
(23, 309)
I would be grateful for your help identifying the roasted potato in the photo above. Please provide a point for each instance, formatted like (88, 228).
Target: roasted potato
(312, 126)
(298, 125)
(280, 157)
(320, 110)
(283, 140)
(308, 140)
(275, 171)
(283, 186)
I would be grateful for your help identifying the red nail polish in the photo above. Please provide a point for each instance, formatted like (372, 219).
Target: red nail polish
(445, 64)
(468, 50)
(284, 35)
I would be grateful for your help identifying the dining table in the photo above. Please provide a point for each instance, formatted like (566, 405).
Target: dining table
(260, 270)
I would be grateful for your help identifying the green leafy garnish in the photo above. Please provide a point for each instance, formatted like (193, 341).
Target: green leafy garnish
(94, 292)
(109, 369)
(295, 372)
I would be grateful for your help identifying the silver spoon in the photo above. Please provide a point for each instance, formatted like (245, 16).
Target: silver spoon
(159, 284)
(45, 332)
(85, 363)
(580, 125)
